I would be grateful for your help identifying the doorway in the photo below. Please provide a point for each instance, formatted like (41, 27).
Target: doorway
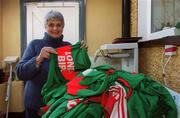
(32, 19)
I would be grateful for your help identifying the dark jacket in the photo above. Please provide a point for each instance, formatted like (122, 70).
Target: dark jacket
(33, 75)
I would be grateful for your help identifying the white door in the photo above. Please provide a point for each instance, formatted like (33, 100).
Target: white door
(35, 19)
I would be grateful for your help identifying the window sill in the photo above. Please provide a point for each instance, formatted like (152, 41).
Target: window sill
(169, 40)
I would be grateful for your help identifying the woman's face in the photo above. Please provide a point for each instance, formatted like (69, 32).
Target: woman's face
(54, 28)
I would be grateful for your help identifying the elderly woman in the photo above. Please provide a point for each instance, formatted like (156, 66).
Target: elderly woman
(33, 67)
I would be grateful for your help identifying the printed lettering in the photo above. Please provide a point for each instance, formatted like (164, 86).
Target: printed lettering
(67, 53)
(62, 65)
(61, 58)
(65, 61)
(69, 58)
(70, 65)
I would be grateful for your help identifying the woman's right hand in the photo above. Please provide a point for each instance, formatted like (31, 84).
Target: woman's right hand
(45, 54)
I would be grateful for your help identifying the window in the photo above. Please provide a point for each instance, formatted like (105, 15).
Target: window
(157, 18)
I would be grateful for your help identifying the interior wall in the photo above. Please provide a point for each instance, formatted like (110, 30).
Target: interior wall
(10, 28)
(0, 34)
(103, 22)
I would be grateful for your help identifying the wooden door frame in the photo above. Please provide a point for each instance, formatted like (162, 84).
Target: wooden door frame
(23, 34)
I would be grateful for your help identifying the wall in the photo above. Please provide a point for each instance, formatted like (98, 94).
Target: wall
(134, 18)
(10, 28)
(0, 33)
(103, 22)
(151, 64)
(150, 59)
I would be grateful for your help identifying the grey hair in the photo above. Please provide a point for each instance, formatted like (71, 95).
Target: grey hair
(54, 15)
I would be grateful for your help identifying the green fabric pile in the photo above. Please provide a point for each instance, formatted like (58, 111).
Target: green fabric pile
(149, 99)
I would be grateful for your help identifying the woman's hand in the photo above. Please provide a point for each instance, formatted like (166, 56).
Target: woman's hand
(44, 54)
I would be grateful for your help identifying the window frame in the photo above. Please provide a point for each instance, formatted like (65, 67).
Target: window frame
(144, 23)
